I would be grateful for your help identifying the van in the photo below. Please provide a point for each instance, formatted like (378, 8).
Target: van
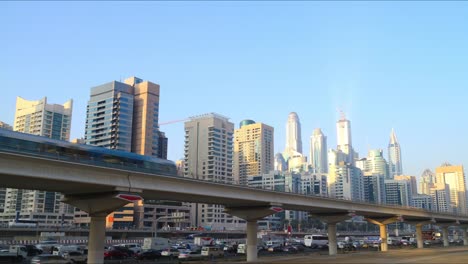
(212, 252)
(315, 241)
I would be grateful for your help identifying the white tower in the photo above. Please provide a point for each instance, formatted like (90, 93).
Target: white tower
(293, 134)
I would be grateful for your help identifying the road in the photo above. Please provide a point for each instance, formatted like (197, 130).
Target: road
(426, 256)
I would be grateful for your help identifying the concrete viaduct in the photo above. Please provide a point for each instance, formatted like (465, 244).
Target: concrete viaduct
(93, 189)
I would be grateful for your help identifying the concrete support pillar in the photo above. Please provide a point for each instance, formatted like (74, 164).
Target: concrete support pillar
(383, 237)
(419, 236)
(252, 241)
(332, 244)
(97, 237)
(465, 236)
(445, 236)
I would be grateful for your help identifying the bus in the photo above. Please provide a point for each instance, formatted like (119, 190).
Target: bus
(315, 240)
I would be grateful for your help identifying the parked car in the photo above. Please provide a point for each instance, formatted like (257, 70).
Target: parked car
(75, 257)
(115, 254)
(49, 259)
(170, 252)
(33, 250)
(190, 255)
(129, 252)
(212, 252)
(149, 254)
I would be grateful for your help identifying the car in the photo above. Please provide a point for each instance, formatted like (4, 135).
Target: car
(190, 255)
(115, 254)
(149, 254)
(170, 252)
(129, 252)
(49, 259)
(33, 250)
(75, 257)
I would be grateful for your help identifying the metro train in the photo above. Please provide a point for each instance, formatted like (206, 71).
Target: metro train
(32, 145)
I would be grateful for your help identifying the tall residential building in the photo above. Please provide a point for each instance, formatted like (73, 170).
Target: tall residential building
(314, 184)
(412, 182)
(125, 116)
(440, 194)
(52, 121)
(43, 119)
(398, 192)
(208, 155)
(376, 163)
(345, 181)
(428, 178)
(5, 126)
(343, 137)
(318, 151)
(454, 177)
(293, 135)
(280, 163)
(374, 188)
(394, 156)
(253, 151)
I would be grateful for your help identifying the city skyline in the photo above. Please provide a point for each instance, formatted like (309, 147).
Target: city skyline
(191, 80)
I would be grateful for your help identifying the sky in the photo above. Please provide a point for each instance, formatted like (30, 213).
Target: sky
(401, 65)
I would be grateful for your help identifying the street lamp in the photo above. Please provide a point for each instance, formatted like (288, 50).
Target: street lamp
(177, 215)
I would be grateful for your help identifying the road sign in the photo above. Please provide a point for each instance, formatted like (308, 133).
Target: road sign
(128, 197)
(277, 209)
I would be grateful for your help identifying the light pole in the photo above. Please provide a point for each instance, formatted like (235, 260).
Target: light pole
(173, 216)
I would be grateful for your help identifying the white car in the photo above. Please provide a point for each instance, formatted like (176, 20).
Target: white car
(75, 257)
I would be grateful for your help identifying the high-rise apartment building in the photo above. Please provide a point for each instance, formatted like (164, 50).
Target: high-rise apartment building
(411, 180)
(343, 137)
(398, 192)
(293, 135)
(440, 193)
(208, 155)
(345, 181)
(422, 201)
(125, 116)
(318, 152)
(375, 163)
(394, 156)
(52, 121)
(253, 151)
(454, 177)
(428, 178)
(374, 188)
(280, 163)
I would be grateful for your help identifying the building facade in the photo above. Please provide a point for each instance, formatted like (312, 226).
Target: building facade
(343, 137)
(5, 126)
(318, 152)
(253, 151)
(398, 192)
(454, 177)
(395, 166)
(208, 155)
(293, 134)
(47, 120)
(374, 188)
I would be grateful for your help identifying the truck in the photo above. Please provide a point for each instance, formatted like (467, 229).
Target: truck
(16, 253)
(156, 243)
(203, 241)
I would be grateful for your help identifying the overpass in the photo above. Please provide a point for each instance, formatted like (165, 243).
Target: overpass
(93, 188)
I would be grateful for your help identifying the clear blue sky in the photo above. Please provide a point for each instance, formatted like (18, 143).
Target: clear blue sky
(386, 64)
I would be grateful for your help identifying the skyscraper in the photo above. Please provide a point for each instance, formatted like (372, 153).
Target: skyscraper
(344, 143)
(253, 151)
(318, 151)
(375, 163)
(52, 121)
(394, 156)
(125, 116)
(454, 177)
(293, 135)
(208, 155)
